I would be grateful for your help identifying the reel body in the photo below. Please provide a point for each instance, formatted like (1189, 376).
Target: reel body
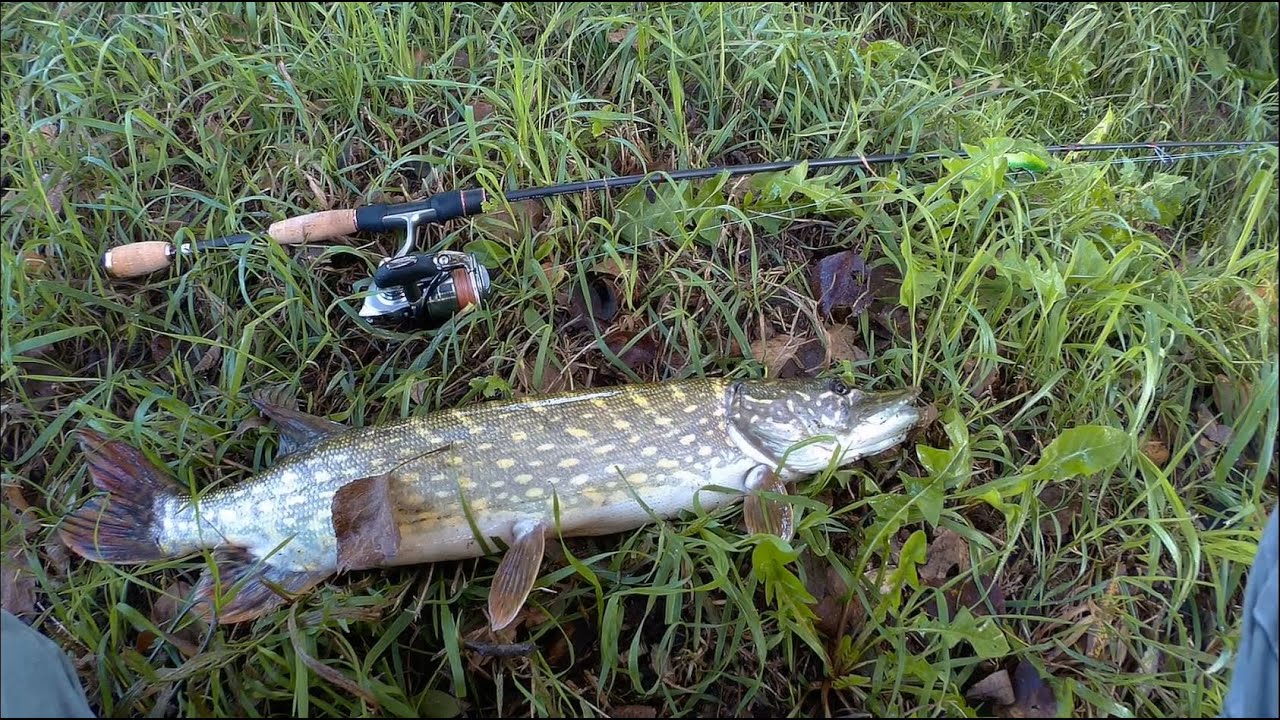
(423, 291)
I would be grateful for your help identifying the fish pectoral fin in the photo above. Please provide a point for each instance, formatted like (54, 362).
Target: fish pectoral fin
(245, 588)
(365, 523)
(764, 514)
(298, 430)
(516, 574)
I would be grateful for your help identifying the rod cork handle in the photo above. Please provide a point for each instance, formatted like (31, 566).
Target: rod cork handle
(315, 226)
(137, 259)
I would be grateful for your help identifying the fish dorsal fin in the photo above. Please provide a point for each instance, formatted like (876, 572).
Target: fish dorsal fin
(298, 430)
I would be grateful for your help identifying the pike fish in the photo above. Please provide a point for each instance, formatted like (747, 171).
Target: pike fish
(446, 485)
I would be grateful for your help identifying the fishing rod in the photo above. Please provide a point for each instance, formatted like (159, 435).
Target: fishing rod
(428, 288)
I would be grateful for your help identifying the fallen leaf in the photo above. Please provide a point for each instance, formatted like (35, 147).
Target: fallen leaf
(17, 585)
(1061, 506)
(619, 35)
(611, 267)
(982, 383)
(775, 352)
(640, 353)
(840, 280)
(601, 306)
(842, 344)
(481, 110)
(1032, 696)
(161, 347)
(1156, 451)
(555, 273)
(510, 224)
(633, 711)
(971, 595)
(208, 360)
(322, 198)
(461, 59)
(835, 615)
(1230, 398)
(1215, 433)
(418, 392)
(948, 550)
(996, 688)
(553, 379)
(172, 604)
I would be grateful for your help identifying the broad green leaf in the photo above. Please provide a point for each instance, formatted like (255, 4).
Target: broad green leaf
(1086, 262)
(983, 633)
(1100, 131)
(912, 554)
(1081, 450)
(929, 495)
(770, 559)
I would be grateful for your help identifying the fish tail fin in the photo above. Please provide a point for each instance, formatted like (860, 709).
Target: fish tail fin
(119, 527)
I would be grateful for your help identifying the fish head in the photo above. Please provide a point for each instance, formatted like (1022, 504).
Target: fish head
(806, 424)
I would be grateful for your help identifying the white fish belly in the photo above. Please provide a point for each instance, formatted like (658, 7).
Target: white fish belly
(586, 511)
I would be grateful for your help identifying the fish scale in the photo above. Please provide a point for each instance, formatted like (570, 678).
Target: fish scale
(465, 482)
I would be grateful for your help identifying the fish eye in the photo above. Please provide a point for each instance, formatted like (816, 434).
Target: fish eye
(838, 387)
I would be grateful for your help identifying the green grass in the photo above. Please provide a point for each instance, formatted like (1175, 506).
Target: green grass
(1097, 294)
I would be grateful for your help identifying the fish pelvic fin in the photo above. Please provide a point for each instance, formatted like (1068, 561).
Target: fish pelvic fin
(516, 574)
(239, 587)
(763, 514)
(120, 526)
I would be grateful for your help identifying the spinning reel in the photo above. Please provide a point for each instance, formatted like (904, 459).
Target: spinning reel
(424, 290)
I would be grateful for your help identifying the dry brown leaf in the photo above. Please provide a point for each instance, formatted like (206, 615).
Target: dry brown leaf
(17, 585)
(610, 266)
(640, 353)
(510, 225)
(620, 34)
(775, 352)
(171, 603)
(208, 360)
(948, 550)
(842, 344)
(1033, 697)
(996, 688)
(553, 379)
(555, 273)
(1156, 451)
(322, 198)
(1215, 434)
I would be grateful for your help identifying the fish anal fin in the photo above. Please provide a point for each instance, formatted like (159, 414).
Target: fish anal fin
(516, 574)
(247, 588)
(365, 523)
(763, 514)
(298, 430)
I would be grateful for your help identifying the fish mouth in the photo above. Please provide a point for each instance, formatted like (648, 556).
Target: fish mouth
(880, 422)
